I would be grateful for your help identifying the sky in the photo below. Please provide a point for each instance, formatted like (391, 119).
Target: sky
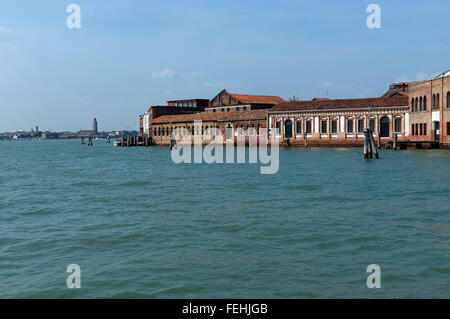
(131, 54)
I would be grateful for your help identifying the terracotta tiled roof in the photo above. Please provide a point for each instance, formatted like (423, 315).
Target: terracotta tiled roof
(257, 99)
(340, 104)
(212, 116)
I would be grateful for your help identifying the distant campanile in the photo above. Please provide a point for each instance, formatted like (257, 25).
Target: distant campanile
(95, 126)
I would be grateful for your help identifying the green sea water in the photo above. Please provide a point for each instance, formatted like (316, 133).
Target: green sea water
(140, 226)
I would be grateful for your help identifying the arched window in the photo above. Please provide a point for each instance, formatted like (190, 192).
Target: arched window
(448, 100)
(384, 127)
(417, 104)
(433, 101)
(421, 104)
(424, 103)
(159, 131)
(412, 104)
(438, 102)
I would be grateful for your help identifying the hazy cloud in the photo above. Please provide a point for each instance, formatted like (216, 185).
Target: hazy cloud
(4, 31)
(326, 84)
(164, 74)
(421, 76)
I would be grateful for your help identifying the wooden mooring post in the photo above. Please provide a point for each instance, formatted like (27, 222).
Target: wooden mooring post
(370, 149)
(366, 144)
(395, 141)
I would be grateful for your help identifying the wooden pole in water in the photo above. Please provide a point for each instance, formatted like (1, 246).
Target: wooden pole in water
(366, 144)
(395, 141)
(372, 144)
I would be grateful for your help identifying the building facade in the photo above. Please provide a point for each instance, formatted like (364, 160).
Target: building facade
(230, 102)
(189, 103)
(339, 122)
(231, 125)
(429, 103)
(411, 111)
(145, 120)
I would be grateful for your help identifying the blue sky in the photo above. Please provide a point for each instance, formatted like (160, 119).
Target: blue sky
(130, 54)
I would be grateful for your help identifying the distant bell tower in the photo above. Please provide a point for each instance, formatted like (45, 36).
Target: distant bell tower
(95, 126)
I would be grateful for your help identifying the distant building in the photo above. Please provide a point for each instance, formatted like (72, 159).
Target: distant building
(230, 102)
(145, 120)
(95, 126)
(49, 135)
(85, 133)
(189, 103)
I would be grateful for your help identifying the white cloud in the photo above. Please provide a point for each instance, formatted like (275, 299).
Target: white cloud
(403, 78)
(326, 84)
(421, 76)
(164, 74)
(6, 31)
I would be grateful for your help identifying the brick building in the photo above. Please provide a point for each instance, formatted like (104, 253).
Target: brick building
(177, 107)
(231, 125)
(230, 102)
(195, 103)
(414, 111)
(429, 103)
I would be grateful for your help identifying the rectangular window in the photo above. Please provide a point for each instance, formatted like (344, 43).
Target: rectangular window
(398, 125)
(413, 131)
(349, 126)
(448, 128)
(324, 127)
(299, 127)
(334, 127)
(308, 127)
(360, 126)
(424, 128)
(277, 128)
(420, 129)
(372, 125)
(417, 129)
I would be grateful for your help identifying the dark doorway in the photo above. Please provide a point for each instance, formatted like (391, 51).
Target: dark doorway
(384, 127)
(288, 129)
(436, 130)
